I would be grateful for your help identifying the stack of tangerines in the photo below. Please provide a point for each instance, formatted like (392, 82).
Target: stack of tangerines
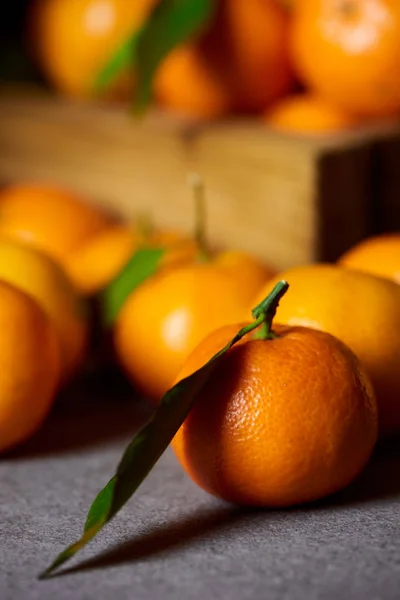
(290, 414)
(255, 58)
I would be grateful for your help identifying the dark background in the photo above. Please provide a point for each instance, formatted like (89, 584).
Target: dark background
(15, 63)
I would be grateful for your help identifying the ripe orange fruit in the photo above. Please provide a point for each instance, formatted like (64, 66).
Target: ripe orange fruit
(360, 309)
(348, 50)
(256, 50)
(44, 280)
(189, 82)
(29, 366)
(72, 40)
(240, 63)
(170, 313)
(280, 421)
(95, 264)
(51, 218)
(378, 255)
(308, 114)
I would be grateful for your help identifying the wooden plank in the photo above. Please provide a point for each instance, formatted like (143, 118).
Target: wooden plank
(287, 199)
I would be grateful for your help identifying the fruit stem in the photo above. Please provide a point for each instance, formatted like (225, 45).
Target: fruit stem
(266, 310)
(197, 185)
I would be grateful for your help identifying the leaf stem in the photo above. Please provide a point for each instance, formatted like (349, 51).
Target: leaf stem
(266, 311)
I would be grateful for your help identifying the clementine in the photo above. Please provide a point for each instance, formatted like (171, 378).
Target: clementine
(49, 217)
(378, 255)
(72, 40)
(169, 314)
(308, 114)
(256, 49)
(347, 51)
(44, 280)
(360, 309)
(287, 416)
(240, 63)
(29, 366)
(189, 82)
(95, 264)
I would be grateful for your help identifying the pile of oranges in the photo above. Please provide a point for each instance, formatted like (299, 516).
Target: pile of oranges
(305, 66)
(292, 413)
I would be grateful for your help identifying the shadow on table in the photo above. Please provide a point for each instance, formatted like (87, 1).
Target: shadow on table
(380, 480)
(92, 412)
(156, 541)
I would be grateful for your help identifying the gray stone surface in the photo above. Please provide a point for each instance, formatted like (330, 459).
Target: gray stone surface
(173, 540)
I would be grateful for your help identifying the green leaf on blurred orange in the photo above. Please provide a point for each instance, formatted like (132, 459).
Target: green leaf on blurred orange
(171, 23)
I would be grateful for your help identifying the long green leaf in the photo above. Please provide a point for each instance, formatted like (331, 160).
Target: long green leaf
(149, 444)
(171, 23)
(142, 264)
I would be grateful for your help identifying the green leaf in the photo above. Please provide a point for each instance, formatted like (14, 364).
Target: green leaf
(123, 58)
(142, 264)
(148, 445)
(171, 23)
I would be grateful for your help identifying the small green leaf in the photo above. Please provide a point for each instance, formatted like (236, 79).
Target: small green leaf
(146, 448)
(171, 23)
(142, 264)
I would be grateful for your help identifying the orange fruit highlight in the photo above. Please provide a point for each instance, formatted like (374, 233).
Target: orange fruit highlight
(36, 274)
(72, 40)
(360, 309)
(170, 313)
(308, 114)
(347, 51)
(49, 217)
(279, 422)
(29, 366)
(378, 255)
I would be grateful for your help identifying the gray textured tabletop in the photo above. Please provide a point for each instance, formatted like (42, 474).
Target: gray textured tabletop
(173, 540)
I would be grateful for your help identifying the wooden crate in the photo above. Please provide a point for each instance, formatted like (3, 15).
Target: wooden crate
(287, 199)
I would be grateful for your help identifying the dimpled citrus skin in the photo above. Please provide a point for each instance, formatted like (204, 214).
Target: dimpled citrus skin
(360, 309)
(279, 422)
(29, 366)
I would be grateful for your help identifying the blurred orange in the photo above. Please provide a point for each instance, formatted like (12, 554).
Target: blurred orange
(188, 82)
(172, 311)
(51, 218)
(307, 113)
(257, 51)
(241, 62)
(71, 40)
(35, 273)
(30, 366)
(94, 264)
(378, 255)
(349, 52)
